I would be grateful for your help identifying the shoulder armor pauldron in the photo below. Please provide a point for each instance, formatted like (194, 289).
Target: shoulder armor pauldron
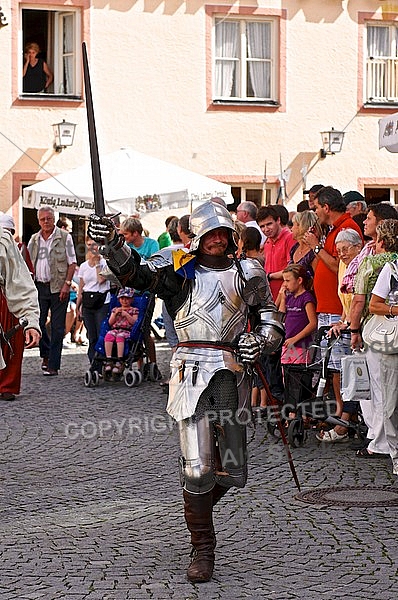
(161, 258)
(252, 268)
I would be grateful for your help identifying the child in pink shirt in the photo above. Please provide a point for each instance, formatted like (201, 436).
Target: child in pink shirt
(121, 321)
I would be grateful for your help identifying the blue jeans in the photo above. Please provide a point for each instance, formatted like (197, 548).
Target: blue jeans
(93, 318)
(51, 346)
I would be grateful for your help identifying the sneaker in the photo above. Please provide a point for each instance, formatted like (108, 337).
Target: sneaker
(44, 364)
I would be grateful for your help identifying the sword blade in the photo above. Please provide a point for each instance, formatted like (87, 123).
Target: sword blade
(99, 203)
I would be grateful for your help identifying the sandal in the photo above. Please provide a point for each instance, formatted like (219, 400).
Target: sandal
(118, 368)
(331, 437)
(365, 453)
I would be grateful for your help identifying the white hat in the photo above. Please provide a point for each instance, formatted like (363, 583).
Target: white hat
(8, 222)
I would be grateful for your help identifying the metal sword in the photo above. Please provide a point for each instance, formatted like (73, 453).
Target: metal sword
(99, 204)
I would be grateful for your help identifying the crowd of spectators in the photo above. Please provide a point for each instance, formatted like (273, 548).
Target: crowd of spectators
(322, 262)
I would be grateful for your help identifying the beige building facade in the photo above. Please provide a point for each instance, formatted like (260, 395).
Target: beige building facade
(235, 91)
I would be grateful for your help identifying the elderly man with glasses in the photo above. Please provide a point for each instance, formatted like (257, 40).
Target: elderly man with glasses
(53, 256)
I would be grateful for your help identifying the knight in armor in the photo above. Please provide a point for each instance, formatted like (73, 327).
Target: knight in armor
(225, 319)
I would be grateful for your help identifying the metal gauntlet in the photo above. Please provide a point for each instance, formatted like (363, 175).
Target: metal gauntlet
(250, 346)
(271, 329)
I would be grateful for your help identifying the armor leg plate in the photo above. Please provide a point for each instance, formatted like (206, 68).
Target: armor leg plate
(215, 420)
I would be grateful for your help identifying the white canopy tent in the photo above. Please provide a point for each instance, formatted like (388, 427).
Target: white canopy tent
(388, 133)
(132, 182)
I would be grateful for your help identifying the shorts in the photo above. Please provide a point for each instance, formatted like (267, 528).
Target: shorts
(341, 348)
(116, 335)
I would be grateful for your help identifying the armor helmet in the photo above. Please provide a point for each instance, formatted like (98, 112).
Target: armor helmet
(209, 216)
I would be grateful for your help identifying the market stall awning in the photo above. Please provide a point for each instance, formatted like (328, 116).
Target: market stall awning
(131, 181)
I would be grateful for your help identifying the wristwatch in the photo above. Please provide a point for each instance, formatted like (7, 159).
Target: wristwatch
(68, 282)
(317, 249)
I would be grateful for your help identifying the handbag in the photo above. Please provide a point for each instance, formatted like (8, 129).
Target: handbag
(93, 300)
(380, 333)
(355, 382)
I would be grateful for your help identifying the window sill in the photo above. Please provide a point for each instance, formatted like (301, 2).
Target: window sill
(47, 100)
(244, 105)
(247, 102)
(379, 107)
(393, 104)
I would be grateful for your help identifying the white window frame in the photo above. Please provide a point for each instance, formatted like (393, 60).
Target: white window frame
(58, 52)
(381, 72)
(243, 61)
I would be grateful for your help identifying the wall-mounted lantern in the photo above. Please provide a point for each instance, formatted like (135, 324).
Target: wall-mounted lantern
(332, 142)
(64, 133)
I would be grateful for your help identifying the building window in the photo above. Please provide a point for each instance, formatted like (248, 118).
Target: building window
(245, 61)
(381, 64)
(56, 32)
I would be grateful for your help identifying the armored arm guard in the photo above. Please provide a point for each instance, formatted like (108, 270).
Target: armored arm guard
(122, 260)
(155, 275)
(266, 321)
(271, 329)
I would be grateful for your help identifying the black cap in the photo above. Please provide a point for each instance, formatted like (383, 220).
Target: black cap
(315, 188)
(352, 196)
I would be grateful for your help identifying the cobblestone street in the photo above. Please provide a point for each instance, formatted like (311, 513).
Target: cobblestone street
(91, 505)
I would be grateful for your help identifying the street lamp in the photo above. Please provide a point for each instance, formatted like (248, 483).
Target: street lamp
(64, 133)
(332, 142)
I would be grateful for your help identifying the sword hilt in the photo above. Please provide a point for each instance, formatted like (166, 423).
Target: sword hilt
(23, 321)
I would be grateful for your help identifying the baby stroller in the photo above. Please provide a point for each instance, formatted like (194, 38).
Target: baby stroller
(319, 409)
(134, 349)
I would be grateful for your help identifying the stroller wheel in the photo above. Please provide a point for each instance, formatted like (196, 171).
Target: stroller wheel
(131, 379)
(295, 433)
(88, 378)
(139, 376)
(95, 378)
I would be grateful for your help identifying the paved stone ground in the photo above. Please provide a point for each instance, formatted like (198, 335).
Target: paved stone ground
(90, 505)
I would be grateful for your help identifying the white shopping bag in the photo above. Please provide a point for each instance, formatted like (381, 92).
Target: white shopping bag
(355, 384)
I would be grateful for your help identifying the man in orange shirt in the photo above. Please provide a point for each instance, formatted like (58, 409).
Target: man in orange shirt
(331, 212)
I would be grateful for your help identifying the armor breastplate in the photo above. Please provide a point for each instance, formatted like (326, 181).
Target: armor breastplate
(214, 310)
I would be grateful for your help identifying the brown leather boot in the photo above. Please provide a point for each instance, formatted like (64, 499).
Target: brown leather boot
(198, 515)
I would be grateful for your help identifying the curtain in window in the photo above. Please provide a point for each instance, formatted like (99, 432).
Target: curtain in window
(67, 50)
(378, 41)
(50, 41)
(259, 47)
(226, 47)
